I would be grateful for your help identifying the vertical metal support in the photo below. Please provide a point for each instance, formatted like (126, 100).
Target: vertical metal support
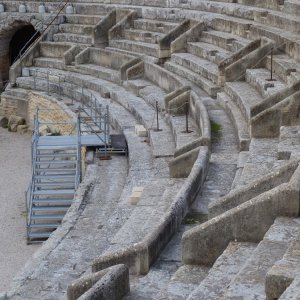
(107, 121)
(34, 79)
(95, 111)
(157, 121)
(78, 169)
(271, 64)
(48, 81)
(271, 67)
(59, 88)
(187, 117)
(100, 116)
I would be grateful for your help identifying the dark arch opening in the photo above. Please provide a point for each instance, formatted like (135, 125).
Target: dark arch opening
(23, 38)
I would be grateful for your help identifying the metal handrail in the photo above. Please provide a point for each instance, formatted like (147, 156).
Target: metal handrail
(78, 167)
(92, 109)
(32, 182)
(20, 55)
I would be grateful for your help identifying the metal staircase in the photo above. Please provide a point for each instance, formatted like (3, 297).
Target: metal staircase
(56, 171)
(56, 164)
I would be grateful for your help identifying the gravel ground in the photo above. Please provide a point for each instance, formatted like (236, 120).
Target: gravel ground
(15, 171)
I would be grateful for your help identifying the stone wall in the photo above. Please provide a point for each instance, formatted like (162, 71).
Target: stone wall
(56, 113)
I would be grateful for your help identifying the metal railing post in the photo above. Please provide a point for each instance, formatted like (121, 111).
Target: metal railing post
(48, 81)
(34, 79)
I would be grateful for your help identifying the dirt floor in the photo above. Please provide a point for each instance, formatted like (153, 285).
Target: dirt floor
(15, 173)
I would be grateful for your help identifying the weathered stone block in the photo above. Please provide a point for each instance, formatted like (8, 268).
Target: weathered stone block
(15, 120)
(22, 129)
(3, 122)
(136, 194)
(141, 131)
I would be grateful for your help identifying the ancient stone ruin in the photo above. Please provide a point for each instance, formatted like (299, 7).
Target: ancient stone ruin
(207, 95)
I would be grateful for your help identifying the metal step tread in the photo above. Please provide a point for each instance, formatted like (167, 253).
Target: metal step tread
(55, 184)
(37, 235)
(52, 201)
(58, 176)
(60, 155)
(40, 226)
(54, 192)
(50, 208)
(56, 147)
(55, 162)
(47, 217)
(56, 170)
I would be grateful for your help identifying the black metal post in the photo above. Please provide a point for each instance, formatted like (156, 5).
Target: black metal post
(271, 64)
(157, 123)
(187, 117)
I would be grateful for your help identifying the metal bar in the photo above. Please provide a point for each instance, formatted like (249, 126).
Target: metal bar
(157, 123)
(34, 79)
(271, 64)
(59, 88)
(187, 117)
(48, 81)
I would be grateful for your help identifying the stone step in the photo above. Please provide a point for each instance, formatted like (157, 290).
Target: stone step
(244, 95)
(143, 112)
(167, 274)
(223, 271)
(154, 25)
(238, 119)
(280, 20)
(223, 160)
(197, 64)
(137, 47)
(185, 280)
(283, 276)
(178, 125)
(208, 86)
(237, 26)
(142, 36)
(72, 38)
(224, 40)
(292, 292)
(284, 67)
(17, 92)
(281, 36)
(146, 114)
(292, 7)
(51, 49)
(288, 146)
(260, 79)
(149, 92)
(210, 52)
(49, 62)
(148, 211)
(76, 29)
(271, 4)
(262, 159)
(249, 283)
(100, 72)
(146, 58)
(83, 19)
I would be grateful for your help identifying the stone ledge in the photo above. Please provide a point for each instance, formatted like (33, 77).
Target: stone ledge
(111, 283)
(245, 193)
(247, 222)
(140, 256)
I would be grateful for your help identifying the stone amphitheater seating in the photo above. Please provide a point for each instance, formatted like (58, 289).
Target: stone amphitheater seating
(239, 165)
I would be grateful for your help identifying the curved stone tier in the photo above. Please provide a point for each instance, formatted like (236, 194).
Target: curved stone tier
(219, 181)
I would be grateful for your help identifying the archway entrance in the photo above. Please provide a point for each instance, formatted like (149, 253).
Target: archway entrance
(21, 41)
